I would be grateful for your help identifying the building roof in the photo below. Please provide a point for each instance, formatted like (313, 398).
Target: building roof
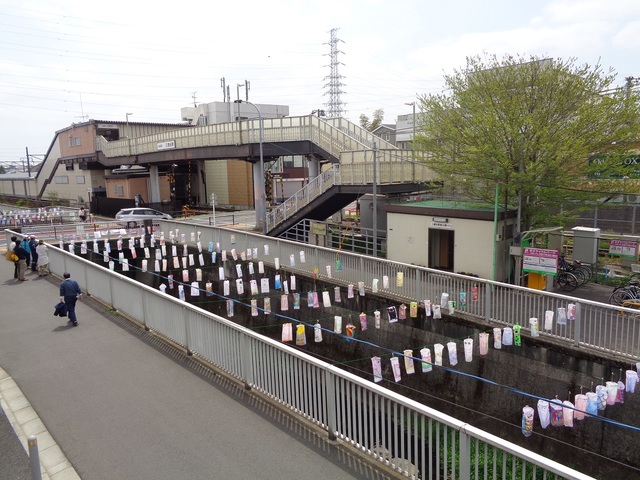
(451, 208)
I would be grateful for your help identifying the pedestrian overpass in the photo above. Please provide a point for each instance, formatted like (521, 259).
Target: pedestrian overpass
(345, 161)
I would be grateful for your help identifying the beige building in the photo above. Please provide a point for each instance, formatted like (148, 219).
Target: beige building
(451, 236)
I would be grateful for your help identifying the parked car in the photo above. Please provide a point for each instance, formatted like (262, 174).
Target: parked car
(133, 217)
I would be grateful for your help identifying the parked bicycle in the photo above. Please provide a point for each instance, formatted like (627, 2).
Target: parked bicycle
(567, 281)
(581, 271)
(627, 295)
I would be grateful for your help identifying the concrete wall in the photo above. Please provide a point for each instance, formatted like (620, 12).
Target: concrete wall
(231, 181)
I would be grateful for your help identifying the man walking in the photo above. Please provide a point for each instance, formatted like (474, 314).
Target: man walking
(69, 293)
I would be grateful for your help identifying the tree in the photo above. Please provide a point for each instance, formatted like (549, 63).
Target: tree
(2, 169)
(371, 125)
(531, 125)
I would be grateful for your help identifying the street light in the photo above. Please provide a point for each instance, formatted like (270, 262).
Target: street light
(258, 187)
(127, 132)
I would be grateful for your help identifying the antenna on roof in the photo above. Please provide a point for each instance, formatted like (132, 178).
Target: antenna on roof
(193, 95)
(82, 115)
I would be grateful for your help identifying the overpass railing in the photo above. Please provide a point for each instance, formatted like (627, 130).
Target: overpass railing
(413, 439)
(355, 168)
(286, 129)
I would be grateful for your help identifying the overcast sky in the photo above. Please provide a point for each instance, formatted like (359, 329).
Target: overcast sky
(65, 61)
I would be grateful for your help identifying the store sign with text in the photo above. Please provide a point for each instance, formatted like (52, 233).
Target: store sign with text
(623, 248)
(540, 260)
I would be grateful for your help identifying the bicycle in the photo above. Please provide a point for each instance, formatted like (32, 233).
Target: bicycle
(629, 293)
(582, 272)
(567, 281)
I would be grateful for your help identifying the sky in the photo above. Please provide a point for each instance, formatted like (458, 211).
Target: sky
(65, 62)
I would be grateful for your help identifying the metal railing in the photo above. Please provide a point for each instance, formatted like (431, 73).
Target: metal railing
(339, 236)
(304, 196)
(287, 129)
(413, 439)
(355, 168)
(603, 329)
(600, 328)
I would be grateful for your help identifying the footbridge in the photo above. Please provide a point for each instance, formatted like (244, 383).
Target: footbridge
(345, 161)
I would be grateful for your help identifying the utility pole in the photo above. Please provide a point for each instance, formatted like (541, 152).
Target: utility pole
(375, 201)
(334, 107)
(28, 164)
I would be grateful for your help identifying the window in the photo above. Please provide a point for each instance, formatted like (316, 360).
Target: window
(61, 179)
(74, 141)
(80, 179)
(120, 190)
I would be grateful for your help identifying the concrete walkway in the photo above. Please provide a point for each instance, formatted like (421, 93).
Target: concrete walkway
(107, 400)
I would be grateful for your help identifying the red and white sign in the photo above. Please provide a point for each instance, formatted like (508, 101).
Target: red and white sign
(540, 260)
(623, 248)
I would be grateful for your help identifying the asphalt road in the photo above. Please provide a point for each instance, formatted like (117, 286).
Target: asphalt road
(121, 404)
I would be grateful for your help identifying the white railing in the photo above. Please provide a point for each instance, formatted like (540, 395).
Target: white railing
(362, 135)
(600, 328)
(415, 440)
(355, 168)
(286, 129)
(304, 196)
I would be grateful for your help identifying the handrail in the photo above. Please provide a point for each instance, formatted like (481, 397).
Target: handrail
(286, 129)
(304, 196)
(258, 361)
(355, 168)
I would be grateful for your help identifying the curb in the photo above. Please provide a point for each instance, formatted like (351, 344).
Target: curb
(26, 423)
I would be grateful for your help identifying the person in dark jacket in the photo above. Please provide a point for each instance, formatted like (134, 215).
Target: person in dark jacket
(33, 243)
(22, 261)
(27, 249)
(69, 293)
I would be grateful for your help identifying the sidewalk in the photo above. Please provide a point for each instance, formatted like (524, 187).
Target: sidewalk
(111, 401)
(20, 421)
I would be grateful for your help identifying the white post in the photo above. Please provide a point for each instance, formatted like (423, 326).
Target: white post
(213, 206)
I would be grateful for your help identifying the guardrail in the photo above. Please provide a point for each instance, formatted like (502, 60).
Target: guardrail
(603, 329)
(355, 168)
(600, 328)
(413, 439)
(286, 129)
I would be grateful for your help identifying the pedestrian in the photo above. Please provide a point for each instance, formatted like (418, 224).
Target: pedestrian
(22, 261)
(12, 248)
(33, 243)
(69, 293)
(27, 248)
(82, 214)
(43, 258)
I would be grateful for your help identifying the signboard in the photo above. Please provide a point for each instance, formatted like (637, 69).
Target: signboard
(318, 228)
(623, 248)
(167, 145)
(443, 225)
(540, 260)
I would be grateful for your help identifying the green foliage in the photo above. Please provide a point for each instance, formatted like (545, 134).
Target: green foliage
(530, 124)
(53, 197)
(374, 123)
